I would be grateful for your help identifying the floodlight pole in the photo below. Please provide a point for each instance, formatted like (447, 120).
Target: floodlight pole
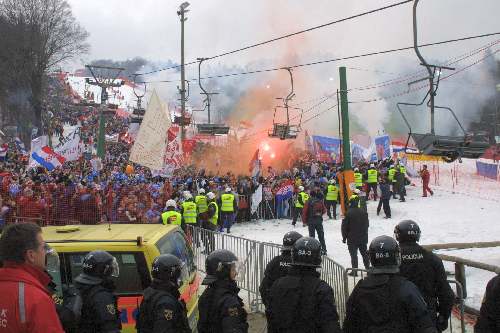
(181, 12)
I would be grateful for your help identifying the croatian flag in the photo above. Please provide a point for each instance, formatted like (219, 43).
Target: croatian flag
(285, 190)
(3, 152)
(47, 158)
(255, 165)
(20, 146)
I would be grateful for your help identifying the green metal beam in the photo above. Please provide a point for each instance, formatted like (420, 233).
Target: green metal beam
(344, 110)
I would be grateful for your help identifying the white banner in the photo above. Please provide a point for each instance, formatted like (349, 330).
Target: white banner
(70, 147)
(149, 146)
(256, 199)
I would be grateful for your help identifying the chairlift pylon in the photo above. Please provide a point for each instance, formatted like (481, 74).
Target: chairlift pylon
(450, 148)
(287, 130)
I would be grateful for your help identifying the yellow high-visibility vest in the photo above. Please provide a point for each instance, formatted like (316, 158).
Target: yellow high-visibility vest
(227, 202)
(358, 179)
(189, 212)
(332, 193)
(201, 203)
(391, 174)
(171, 217)
(372, 176)
(215, 218)
(304, 197)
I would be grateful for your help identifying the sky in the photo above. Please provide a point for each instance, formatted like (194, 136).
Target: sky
(122, 29)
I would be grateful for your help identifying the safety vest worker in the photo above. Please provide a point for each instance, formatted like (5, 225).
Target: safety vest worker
(303, 197)
(358, 178)
(227, 200)
(402, 169)
(171, 216)
(391, 174)
(332, 193)
(201, 202)
(189, 213)
(355, 197)
(214, 219)
(372, 176)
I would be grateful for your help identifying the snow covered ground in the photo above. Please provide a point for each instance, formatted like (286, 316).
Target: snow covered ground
(445, 217)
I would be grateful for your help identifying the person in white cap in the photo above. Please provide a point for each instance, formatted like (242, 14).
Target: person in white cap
(171, 216)
(228, 208)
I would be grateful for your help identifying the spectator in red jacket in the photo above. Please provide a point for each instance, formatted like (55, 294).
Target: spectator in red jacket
(26, 304)
(426, 177)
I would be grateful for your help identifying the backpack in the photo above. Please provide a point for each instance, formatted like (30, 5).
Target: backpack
(316, 207)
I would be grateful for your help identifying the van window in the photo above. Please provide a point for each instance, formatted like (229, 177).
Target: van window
(175, 243)
(134, 275)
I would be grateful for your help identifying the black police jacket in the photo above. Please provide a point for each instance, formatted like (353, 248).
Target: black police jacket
(99, 311)
(387, 303)
(161, 311)
(355, 226)
(275, 269)
(221, 310)
(489, 317)
(426, 271)
(301, 302)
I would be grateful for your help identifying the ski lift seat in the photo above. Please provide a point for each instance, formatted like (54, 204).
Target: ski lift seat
(284, 131)
(213, 129)
(450, 147)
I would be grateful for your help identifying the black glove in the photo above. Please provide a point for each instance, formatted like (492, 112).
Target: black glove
(343, 240)
(442, 323)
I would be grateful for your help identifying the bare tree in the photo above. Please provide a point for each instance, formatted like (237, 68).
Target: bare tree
(35, 36)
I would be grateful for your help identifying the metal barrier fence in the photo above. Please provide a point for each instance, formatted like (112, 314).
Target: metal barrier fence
(255, 256)
(459, 307)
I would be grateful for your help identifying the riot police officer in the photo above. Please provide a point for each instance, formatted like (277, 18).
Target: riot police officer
(489, 316)
(99, 311)
(384, 301)
(69, 306)
(221, 309)
(161, 311)
(301, 301)
(426, 271)
(279, 265)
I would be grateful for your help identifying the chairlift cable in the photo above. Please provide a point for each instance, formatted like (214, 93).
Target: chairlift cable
(286, 36)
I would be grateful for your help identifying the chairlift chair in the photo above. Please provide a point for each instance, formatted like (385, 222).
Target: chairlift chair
(450, 148)
(287, 130)
(209, 128)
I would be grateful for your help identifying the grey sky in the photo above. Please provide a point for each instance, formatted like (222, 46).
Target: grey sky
(121, 29)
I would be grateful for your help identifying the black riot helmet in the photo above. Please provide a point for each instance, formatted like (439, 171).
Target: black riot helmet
(167, 267)
(218, 266)
(385, 255)
(97, 266)
(289, 240)
(306, 252)
(407, 231)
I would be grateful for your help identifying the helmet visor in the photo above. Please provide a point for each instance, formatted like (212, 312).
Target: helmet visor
(115, 269)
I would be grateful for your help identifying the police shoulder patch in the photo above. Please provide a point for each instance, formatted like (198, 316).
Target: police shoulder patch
(111, 309)
(233, 312)
(168, 314)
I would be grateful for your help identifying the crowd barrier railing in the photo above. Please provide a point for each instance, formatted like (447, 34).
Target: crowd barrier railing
(255, 256)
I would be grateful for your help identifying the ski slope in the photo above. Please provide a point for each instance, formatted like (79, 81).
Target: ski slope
(446, 217)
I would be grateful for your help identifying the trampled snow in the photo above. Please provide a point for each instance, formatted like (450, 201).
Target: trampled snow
(444, 218)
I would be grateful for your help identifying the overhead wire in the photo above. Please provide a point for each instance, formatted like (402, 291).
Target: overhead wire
(284, 36)
(363, 55)
(318, 114)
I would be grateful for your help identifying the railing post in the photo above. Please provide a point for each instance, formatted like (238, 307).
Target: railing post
(460, 277)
